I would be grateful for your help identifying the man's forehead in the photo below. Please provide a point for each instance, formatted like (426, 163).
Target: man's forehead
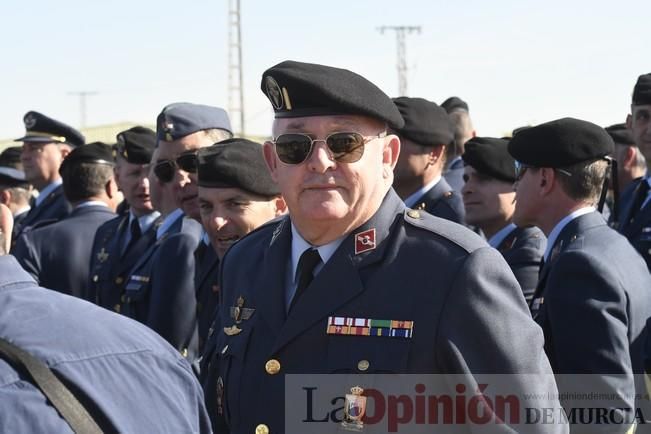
(642, 108)
(334, 122)
(220, 194)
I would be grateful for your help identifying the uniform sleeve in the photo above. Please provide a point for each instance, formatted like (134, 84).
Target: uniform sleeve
(486, 329)
(172, 309)
(525, 265)
(27, 257)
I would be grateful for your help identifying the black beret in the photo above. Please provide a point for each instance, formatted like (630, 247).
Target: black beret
(425, 122)
(10, 157)
(10, 177)
(94, 153)
(42, 129)
(454, 103)
(642, 90)
(490, 156)
(235, 163)
(621, 134)
(181, 119)
(297, 89)
(136, 145)
(561, 143)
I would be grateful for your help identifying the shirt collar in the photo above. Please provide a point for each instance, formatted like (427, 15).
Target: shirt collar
(299, 245)
(413, 198)
(168, 221)
(144, 221)
(497, 239)
(22, 210)
(87, 203)
(553, 235)
(43, 194)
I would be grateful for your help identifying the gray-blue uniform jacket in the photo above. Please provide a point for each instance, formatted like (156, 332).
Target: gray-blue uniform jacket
(635, 224)
(57, 254)
(592, 303)
(442, 201)
(109, 268)
(160, 288)
(136, 382)
(523, 250)
(206, 282)
(468, 313)
(54, 207)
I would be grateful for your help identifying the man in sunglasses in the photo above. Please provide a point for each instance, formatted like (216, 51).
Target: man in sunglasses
(120, 242)
(160, 289)
(489, 200)
(352, 281)
(45, 144)
(236, 195)
(424, 143)
(593, 299)
(635, 219)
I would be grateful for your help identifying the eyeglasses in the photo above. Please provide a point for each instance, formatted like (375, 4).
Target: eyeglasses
(165, 169)
(295, 148)
(521, 168)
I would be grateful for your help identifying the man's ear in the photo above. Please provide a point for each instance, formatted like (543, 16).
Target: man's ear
(280, 205)
(391, 150)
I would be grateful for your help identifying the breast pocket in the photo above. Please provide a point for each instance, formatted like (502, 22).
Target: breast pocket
(368, 354)
(231, 353)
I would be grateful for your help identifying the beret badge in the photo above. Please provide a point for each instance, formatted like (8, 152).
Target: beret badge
(274, 93)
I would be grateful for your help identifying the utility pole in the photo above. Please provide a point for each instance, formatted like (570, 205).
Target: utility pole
(82, 105)
(235, 85)
(401, 32)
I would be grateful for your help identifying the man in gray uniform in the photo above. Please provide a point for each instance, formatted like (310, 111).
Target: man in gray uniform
(593, 297)
(57, 255)
(352, 281)
(425, 139)
(125, 376)
(490, 202)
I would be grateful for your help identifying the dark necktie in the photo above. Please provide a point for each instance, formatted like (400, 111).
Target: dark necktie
(640, 197)
(305, 269)
(134, 229)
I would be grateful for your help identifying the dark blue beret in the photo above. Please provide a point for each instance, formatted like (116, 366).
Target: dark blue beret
(235, 163)
(180, 119)
(10, 157)
(454, 103)
(561, 143)
(490, 156)
(642, 90)
(93, 153)
(136, 145)
(426, 123)
(297, 89)
(621, 134)
(42, 129)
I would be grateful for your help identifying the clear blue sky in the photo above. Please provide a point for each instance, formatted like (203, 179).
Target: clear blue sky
(514, 62)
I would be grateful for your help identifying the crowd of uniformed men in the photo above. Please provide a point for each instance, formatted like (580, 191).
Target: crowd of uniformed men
(346, 269)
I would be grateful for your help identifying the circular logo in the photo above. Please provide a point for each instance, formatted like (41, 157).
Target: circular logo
(30, 120)
(274, 93)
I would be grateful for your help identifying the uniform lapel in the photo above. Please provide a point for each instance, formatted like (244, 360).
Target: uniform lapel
(136, 250)
(339, 281)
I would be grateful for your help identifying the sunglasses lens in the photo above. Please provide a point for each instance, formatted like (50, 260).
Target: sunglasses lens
(164, 170)
(293, 148)
(188, 162)
(346, 147)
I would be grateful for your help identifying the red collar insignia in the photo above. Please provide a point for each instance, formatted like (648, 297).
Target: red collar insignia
(365, 241)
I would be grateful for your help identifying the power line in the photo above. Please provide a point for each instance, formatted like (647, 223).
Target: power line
(235, 82)
(82, 105)
(401, 61)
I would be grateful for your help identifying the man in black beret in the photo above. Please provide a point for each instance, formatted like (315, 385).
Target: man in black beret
(631, 164)
(463, 131)
(236, 195)
(593, 297)
(56, 254)
(489, 200)
(45, 144)
(352, 281)
(122, 241)
(10, 157)
(635, 219)
(424, 143)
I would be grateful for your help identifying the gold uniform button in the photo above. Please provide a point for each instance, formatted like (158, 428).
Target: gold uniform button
(262, 429)
(363, 365)
(413, 214)
(119, 280)
(95, 278)
(123, 298)
(272, 367)
(116, 308)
